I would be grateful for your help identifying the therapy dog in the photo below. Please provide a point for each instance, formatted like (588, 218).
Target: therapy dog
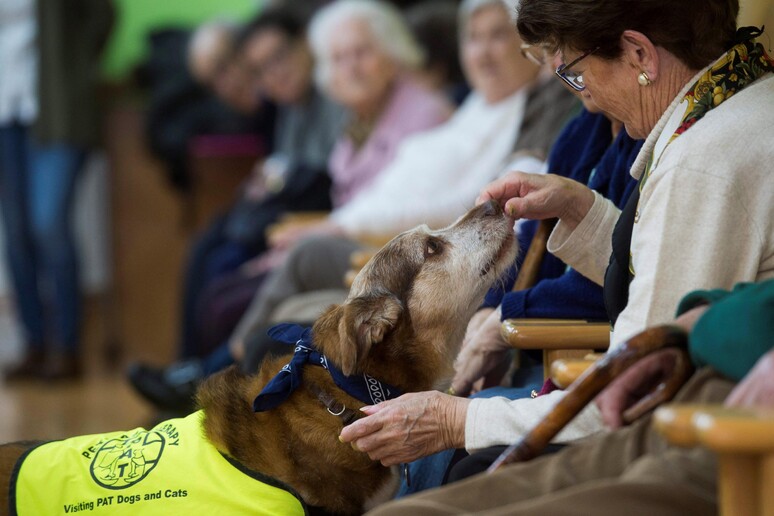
(268, 443)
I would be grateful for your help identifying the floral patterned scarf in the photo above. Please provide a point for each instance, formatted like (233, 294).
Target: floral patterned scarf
(745, 63)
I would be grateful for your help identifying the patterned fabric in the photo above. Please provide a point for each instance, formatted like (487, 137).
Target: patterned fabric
(363, 387)
(745, 63)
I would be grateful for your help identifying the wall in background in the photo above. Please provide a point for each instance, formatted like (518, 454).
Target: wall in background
(136, 18)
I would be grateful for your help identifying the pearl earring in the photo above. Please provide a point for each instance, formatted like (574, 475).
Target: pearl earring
(643, 79)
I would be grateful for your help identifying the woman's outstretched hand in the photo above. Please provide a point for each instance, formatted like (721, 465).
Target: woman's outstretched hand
(540, 196)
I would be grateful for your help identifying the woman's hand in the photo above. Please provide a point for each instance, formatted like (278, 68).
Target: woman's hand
(634, 384)
(757, 388)
(407, 428)
(539, 196)
(482, 351)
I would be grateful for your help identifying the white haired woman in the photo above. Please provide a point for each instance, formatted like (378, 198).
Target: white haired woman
(365, 57)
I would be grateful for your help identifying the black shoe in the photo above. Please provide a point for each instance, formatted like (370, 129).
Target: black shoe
(170, 388)
(31, 367)
(61, 366)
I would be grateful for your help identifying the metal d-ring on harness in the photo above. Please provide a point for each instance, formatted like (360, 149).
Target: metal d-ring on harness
(347, 416)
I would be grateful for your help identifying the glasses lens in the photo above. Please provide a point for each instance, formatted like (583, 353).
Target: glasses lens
(572, 79)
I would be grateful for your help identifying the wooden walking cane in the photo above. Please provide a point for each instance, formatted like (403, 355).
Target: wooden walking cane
(595, 379)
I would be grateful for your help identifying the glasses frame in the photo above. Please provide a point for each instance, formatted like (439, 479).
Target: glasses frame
(528, 53)
(561, 71)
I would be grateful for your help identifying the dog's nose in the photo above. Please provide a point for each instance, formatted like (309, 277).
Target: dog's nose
(491, 209)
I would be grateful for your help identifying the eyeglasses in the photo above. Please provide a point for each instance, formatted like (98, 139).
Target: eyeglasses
(271, 61)
(535, 54)
(573, 79)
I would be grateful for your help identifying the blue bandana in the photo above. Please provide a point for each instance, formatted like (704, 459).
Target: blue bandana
(365, 388)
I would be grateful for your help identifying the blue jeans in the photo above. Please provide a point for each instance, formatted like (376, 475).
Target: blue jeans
(37, 187)
(430, 471)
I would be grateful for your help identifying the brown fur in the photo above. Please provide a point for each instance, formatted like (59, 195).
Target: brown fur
(402, 323)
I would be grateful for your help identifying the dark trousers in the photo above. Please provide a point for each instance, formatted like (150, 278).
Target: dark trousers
(37, 190)
(211, 256)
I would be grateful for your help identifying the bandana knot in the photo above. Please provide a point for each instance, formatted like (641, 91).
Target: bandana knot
(363, 387)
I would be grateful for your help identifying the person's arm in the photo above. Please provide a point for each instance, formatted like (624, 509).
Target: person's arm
(570, 296)
(696, 228)
(737, 330)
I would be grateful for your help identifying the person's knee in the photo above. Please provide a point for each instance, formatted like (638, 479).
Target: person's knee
(321, 261)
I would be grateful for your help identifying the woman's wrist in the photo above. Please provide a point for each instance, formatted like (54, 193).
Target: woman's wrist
(453, 421)
(580, 199)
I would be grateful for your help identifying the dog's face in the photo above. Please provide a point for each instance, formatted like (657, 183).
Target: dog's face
(420, 290)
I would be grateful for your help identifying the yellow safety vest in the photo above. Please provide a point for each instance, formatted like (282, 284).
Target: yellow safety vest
(171, 469)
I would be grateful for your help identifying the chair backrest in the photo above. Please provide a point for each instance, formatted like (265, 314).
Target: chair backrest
(530, 267)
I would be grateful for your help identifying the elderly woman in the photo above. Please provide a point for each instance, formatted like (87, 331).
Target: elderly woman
(509, 105)
(364, 57)
(702, 216)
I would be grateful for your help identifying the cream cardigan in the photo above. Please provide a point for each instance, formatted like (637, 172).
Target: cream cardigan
(705, 220)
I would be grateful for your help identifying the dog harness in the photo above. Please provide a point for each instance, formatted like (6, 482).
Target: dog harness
(363, 387)
(170, 469)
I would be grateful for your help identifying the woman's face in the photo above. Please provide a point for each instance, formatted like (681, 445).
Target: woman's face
(361, 73)
(612, 86)
(232, 85)
(491, 57)
(281, 67)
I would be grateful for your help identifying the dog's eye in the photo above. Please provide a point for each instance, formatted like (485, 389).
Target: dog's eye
(433, 247)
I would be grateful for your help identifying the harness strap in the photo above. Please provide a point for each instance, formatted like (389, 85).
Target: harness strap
(334, 406)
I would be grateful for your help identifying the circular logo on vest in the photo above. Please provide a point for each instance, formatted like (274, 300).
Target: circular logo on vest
(122, 462)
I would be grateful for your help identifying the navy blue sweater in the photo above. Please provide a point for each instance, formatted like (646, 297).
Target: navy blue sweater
(582, 152)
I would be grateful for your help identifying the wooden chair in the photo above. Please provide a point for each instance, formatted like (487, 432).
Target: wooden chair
(557, 338)
(742, 438)
(296, 219)
(219, 164)
(744, 442)
(596, 378)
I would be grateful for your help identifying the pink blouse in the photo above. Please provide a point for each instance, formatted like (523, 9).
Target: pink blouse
(411, 109)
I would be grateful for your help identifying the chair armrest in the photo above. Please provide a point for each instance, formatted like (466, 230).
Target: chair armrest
(295, 219)
(744, 442)
(359, 258)
(721, 429)
(565, 371)
(556, 334)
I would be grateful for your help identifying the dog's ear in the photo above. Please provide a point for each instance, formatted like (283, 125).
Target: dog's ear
(346, 333)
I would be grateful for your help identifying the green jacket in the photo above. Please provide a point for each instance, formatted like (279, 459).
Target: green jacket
(71, 35)
(737, 329)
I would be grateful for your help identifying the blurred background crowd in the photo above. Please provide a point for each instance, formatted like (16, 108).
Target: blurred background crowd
(175, 176)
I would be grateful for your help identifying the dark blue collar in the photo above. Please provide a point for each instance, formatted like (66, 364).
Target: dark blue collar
(363, 387)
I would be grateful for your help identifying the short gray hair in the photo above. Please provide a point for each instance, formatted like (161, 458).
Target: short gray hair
(470, 7)
(386, 23)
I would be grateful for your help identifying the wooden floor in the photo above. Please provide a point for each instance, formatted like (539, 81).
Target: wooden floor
(137, 319)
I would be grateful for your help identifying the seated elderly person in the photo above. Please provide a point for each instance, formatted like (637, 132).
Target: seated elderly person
(366, 61)
(687, 226)
(438, 173)
(365, 56)
(307, 124)
(510, 102)
(584, 152)
(633, 470)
